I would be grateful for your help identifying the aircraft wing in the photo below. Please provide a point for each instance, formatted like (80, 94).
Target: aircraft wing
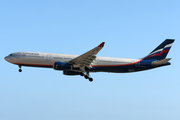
(86, 59)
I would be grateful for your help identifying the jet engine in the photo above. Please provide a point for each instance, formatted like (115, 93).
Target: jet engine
(62, 66)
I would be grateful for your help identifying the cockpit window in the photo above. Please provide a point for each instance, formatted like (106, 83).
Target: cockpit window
(10, 55)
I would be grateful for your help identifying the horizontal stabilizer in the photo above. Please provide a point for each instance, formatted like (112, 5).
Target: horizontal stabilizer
(161, 62)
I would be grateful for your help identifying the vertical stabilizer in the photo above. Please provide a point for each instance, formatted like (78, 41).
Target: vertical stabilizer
(161, 51)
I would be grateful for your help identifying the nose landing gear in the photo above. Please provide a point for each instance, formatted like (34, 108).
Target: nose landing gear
(20, 70)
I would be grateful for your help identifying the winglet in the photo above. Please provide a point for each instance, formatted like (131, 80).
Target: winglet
(102, 44)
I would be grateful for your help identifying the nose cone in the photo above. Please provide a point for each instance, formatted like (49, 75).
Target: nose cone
(6, 58)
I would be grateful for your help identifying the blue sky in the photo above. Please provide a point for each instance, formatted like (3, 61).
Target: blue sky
(130, 29)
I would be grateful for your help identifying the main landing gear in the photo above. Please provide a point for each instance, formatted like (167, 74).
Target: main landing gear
(20, 70)
(86, 76)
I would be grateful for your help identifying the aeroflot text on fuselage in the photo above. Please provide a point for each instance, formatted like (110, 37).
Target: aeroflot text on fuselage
(88, 62)
(30, 53)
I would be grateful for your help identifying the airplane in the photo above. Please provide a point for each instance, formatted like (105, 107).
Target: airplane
(88, 62)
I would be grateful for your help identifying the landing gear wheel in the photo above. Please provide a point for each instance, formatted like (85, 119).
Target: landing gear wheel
(20, 70)
(86, 76)
(90, 79)
(82, 74)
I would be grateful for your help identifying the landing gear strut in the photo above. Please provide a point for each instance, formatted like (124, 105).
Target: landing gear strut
(86, 76)
(20, 70)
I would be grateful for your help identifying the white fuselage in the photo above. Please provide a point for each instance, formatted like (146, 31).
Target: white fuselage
(48, 59)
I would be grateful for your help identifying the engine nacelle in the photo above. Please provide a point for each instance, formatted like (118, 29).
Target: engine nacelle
(62, 66)
(66, 72)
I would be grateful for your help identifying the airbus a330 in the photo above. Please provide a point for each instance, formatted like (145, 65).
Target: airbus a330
(88, 62)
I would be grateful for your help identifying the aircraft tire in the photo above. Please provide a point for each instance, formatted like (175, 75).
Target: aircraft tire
(90, 79)
(82, 74)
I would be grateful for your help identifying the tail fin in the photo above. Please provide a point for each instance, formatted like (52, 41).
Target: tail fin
(161, 51)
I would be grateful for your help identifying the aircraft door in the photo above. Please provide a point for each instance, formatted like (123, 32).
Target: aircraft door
(48, 57)
(137, 64)
(97, 60)
(17, 56)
